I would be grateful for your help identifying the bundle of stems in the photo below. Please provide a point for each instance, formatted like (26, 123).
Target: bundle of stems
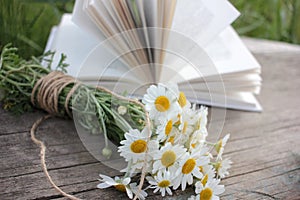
(19, 76)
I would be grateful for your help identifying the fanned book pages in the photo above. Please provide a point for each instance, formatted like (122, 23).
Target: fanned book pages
(126, 45)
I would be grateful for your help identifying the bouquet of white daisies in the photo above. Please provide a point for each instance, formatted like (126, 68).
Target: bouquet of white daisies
(176, 154)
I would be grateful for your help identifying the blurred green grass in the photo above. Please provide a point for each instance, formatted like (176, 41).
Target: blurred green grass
(269, 19)
(27, 23)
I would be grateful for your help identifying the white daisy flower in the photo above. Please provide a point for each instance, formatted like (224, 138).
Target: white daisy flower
(188, 121)
(167, 157)
(161, 103)
(210, 190)
(161, 182)
(208, 171)
(189, 168)
(135, 145)
(181, 98)
(207, 177)
(219, 146)
(201, 152)
(183, 102)
(179, 139)
(202, 119)
(198, 138)
(118, 183)
(167, 129)
(134, 168)
(222, 167)
(174, 137)
(141, 195)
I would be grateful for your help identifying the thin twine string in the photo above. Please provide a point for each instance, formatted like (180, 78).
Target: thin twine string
(45, 94)
(43, 155)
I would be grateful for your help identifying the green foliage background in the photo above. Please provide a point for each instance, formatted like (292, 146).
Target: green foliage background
(27, 23)
(270, 19)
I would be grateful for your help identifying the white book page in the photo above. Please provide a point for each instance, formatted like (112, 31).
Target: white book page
(105, 16)
(185, 61)
(196, 23)
(110, 8)
(151, 15)
(218, 87)
(244, 101)
(128, 42)
(100, 19)
(229, 53)
(203, 20)
(121, 45)
(123, 13)
(159, 32)
(71, 41)
(138, 12)
(248, 77)
(81, 19)
(169, 7)
(241, 101)
(112, 69)
(77, 45)
(140, 5)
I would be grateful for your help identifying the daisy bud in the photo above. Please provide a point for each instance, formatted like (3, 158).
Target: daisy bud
(106, 152)
(122, 110)
(218, 146)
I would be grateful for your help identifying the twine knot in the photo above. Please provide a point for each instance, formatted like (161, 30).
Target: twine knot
(46, 92)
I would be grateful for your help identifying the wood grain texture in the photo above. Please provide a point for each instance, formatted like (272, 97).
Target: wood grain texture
(265, 147)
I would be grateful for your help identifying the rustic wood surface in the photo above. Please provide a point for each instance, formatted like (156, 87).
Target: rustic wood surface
(265, 147)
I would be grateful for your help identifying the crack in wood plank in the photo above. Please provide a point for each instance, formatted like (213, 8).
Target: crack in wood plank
(261, 193)
(50, 169)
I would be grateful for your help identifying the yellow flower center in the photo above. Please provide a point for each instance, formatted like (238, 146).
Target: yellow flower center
(178, 121)
(120, 187)
(185, 125)
(164, 183)
(162, 103)
(182, 99)
(206, 194)
(193, 145)
(218, 146)
(171, 139)
(188, 166)
(138, 146)
(168, 128)
(204, 180)
(168, 158)
(201, 169)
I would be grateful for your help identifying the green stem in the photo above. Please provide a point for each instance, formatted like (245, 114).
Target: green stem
(210, 143)
(17, 84)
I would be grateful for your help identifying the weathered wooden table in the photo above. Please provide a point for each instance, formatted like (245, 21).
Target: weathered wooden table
(265, 147)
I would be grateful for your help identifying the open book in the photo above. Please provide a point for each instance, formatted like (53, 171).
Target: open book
(126, 45)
